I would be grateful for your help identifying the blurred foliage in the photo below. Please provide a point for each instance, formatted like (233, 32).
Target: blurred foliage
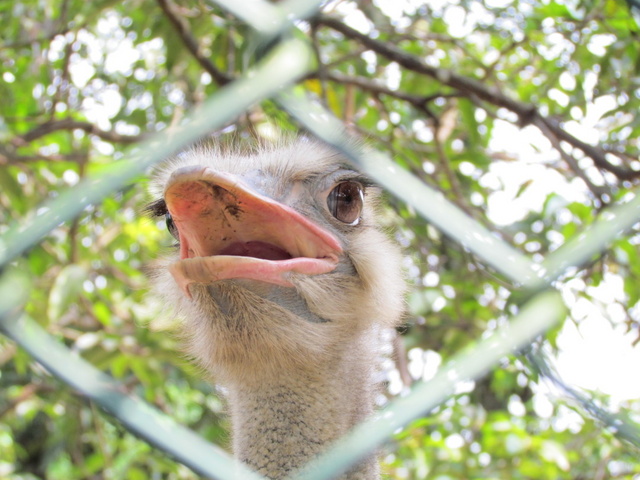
(83, 81)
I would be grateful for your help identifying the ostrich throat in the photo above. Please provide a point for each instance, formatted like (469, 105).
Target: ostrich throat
(288, 400)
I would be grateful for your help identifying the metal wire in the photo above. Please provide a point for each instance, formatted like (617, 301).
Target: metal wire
(286, 62)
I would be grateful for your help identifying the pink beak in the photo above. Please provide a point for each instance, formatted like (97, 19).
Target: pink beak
(227, 230)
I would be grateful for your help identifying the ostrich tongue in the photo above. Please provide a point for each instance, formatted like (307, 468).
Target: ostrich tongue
(227, 230)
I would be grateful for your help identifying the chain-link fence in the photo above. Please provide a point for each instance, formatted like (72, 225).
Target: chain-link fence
(284, 59)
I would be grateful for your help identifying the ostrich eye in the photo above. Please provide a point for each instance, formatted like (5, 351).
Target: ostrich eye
(171, 226)
(345, 202)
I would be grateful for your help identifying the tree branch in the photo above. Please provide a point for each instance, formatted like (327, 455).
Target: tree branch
(10, 158)
(597, 154)
(527, 114)
(71, 124)
(375, 88)
(182, 28)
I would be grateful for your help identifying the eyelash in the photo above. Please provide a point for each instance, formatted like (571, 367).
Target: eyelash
(157, 208)
(361, 179)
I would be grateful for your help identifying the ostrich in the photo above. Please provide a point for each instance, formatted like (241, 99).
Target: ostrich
(283, 280)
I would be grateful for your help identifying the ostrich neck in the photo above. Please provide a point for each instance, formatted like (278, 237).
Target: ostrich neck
(281, 423)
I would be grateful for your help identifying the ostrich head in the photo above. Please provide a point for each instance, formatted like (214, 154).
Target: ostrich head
(283, 280)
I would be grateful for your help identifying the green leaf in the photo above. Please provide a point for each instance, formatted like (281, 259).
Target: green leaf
(467, 111)
(10, 187)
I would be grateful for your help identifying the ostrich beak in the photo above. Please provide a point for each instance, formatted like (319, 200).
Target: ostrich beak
(227, 230)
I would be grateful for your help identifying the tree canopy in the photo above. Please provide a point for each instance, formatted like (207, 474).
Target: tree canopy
(523, 113)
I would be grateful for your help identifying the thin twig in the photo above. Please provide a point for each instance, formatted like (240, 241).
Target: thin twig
(373, 87)
(71, 124)
(571, 161)
(9, 158)
(182, 28)
(322, 68)
(400, 359)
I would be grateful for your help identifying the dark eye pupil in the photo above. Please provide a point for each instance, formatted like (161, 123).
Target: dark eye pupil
(171, 226)
(345, 202)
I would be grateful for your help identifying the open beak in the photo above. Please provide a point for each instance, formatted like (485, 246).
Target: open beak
(227, 230)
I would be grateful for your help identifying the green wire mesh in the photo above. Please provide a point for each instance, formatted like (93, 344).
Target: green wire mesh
(289, 59)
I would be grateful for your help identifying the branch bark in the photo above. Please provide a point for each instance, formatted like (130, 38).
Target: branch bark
(375, 88)
(182, 29)
(71, 124)
(9, 158)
